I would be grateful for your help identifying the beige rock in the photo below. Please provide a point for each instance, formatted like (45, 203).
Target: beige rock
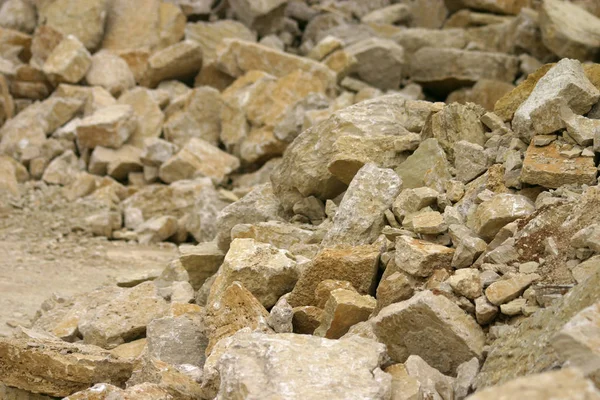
(421, 258)
(236, 57)
(360, 217)
(427, 166)
(157, 151)
(577, 342)
(123, 318)
(306, 319)
(564, 84)
(404, 387)
(435, 324)
(388, 15)
(200, 261)
(84, 20)
(210, 34)
(325, 47)
(103, 391)
(513, 307)
(281, 316)
(171, 23)
(413, 200)
(344, 309)
(62, 170)
(179, 383)
(426, 13)
(104, 223)
(380, 62)
(446, 69)
(569, 31)
(8, 178)
(416, 38)
(496, 6)
(157, 229)
(235, 309)
(493, 214)
(429, 223)
(581, 129)
(111, 72)
(485, 312)
(466, 282)
(123, 161)
(563, 384)
(357, 265)
(93, 99)
(179, 61)
(394, 287)
(43, 364)
(68, 62)
(108, 127)
(546, 166)
(279, 234)
(325, 288)
(265, 271)
(471, 161)
(307, 367)
(18, 15)
(506, 290)
(200, 118)
(132, 25)
(198, 158)
(149, 115)
(433, 384)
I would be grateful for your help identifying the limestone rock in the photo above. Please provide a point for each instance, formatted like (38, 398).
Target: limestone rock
(281, 316)
(466, 282)
(569, 31)
(103, 391)
(108, 127)
(235, 309)
(149, 115)
(547, 167)
(427, 166)
(184, 323)
(485, 312)
(104, 223)
(447, 69)
(8, 178)
(236, 57)
(171, 23)
(180, 382)
(19, 15)
(179, 61)
(68, 62)
(344, 309)
(499, 7)
(264, 16)
(394, 287)
(307, 368)
(563, 384)
(357, 265)
(62, 170)
(200, 261)
(157, 229)
(123, 318)
(433, 384)
(198, 158)
(43, 364)
(413, 200)
(580, 128)
(265, 271)
(564, 84)
(506, 290)
(210, 34)
(493, 214)
(378, 117)
(157, 151)
(431, 327)
(380, 62)
(132, 25)
(360, 218)
(111, 72)
(404, 387)
(421, 258)
(306, 319)
(415, 39)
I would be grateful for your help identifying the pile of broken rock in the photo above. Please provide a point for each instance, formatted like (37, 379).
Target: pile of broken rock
(357, 239)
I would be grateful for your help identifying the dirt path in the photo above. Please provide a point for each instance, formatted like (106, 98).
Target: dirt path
(43, 251)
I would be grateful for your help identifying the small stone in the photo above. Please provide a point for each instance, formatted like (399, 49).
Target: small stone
(407, 329)
(485, 311)
(111, 72)
(421, 258)
(157, 151)
(467, 252)
(380, 62)
(427, 166)
(543, 140)
(104, 224)
(179, 61)
(404, 387)
(492, 215)
(324, 289)
(429, 223)
(466, 282)
(505, 290)
(471, 161)
(465, 377)
(514, 307)
(434, 384)
(108, 127)
(529, 267)
(413, 200)
(200, 261)
(264, 17)
(210, 34)
(394, 288)
(281, 316)
(68, 62)
(157, 229)
(580, 128)
(344, 309)
(306, 319)
(388, 15)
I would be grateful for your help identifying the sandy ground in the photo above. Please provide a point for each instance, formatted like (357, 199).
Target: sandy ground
(45, 250)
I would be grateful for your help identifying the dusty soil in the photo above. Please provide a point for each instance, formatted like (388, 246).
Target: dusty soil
(45, 250)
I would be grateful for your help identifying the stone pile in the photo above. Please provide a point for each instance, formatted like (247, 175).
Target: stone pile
(372, 199)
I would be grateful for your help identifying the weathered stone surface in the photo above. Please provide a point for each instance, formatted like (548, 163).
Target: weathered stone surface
(344, 309)
(236, 57)
(62, 170)
(370, 193)
(179, 382)
(157, 229)
(132, 25)
(279, 234)
(494, 6)
(560, 385)
(263, 16)
(108, 127)
(200, 261)
(564, 84)
(569, 31)
(447, 69)
(185, 325)
(431, 327)
(382, 116)
(546, 166)
(281, 316)
(236, 308)
(421, 258)
(8, 177)
(171, 24)
(149, 115)
(357, 265)
(427, 166)
(466, 282)
(123, 318)
(103, 391)
(210, 34)
(506, 290)
(111, 72)
(68, 62)
(43, 364)
(580, 128)
(380, 62)
(412, 200)
(179, 61)
(429, 223)
(417, 38)
(264, 270)
(493, 214)
(307, 368)
(433, 384)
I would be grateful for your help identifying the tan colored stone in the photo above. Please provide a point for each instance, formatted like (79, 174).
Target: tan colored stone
(265, 16)
(111, 72)
(357, 265)
(306, 319)
(198, 158)
(547, 167)
(210, 34)
(493, 214)
(132, 25)
(171, 24)
(505, 290)
(344, 309)
(109, 127)
(325, 288)
(179, 383)
(404, 387)
(157, 229)
(43, 364)
(179, 61)
(68, 62)
(200, 261)
(103, 391)
(8, 178)
(137, 60)
(149, 115)
(421, 258)
(380, 62)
